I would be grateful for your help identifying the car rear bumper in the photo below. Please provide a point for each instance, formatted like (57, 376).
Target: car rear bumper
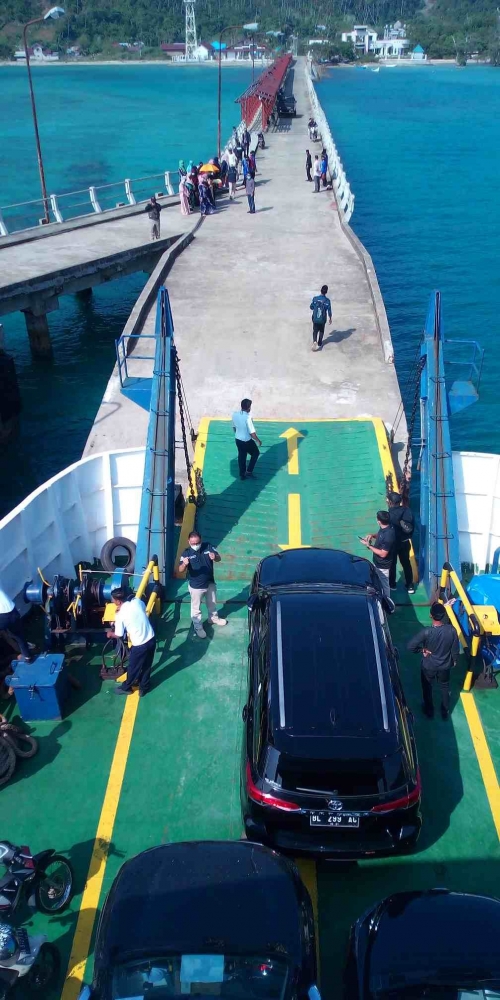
(380, 839)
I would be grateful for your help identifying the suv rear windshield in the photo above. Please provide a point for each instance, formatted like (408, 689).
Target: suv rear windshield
(357, 777)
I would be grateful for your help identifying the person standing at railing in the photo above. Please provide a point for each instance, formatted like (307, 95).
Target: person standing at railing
(184, 196)
(324, 168)
(316, 174)
(153, 208)
(309, 164)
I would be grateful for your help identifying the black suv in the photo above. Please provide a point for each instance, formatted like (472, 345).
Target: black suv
(329, 764)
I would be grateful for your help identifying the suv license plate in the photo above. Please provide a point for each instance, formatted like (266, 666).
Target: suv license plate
(326, 818)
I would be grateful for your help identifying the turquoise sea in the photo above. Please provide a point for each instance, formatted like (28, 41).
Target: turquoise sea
(98, 124)
(421, 148)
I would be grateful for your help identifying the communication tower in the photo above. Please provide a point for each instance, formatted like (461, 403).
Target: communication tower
(191, 43)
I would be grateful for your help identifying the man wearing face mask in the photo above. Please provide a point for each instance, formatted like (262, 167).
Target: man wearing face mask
(198, 559)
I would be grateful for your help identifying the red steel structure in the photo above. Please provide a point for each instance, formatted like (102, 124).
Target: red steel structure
(263, 92)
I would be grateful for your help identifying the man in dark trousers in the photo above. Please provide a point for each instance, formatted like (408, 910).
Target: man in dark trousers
(439, 647)
(320, 307)
(403, 522)
(382, 546)
(246, 438)
(153, 208)
(131, 616)
(198, 559)
(309, 164)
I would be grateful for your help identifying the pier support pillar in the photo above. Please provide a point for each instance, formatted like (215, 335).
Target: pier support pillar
(85, 295)
(38, 333)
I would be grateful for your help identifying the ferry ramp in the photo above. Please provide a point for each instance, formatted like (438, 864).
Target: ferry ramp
(113, 779)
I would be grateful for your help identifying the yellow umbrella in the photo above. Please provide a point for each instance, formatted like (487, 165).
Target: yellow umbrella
(209, 168)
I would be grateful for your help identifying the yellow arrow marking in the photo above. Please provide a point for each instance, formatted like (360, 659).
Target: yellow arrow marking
(292, 442)
(294, 524)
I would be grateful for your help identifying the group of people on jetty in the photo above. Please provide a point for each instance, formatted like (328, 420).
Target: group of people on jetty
(198, 184)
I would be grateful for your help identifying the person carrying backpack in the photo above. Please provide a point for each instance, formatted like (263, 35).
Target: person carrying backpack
(403, 522)
(321, 307)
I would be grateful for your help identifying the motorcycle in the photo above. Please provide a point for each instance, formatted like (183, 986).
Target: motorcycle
(28, 957)
(46, 879)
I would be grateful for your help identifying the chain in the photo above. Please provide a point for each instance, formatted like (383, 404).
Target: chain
(197, 493)
(404, 486)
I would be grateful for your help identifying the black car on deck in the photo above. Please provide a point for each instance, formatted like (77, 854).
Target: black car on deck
(329, 764)
(435, 944)
(231, 920)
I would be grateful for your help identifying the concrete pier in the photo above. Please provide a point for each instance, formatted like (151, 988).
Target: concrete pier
(240, 298)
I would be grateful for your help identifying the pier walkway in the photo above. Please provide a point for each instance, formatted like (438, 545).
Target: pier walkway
(76, 257)
(240, 298)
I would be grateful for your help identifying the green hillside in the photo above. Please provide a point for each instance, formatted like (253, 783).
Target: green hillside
(445, 28)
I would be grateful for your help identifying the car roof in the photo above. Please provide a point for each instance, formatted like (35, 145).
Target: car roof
(423, 931)
(330, 688)
(316, 566)
(183, 897)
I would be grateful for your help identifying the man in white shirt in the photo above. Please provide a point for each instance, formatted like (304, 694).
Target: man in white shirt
(316, 174)
(131, 616)
(10, 622)
(246, 439)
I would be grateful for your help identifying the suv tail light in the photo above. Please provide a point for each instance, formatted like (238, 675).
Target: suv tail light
(264, 798)
(403, 803)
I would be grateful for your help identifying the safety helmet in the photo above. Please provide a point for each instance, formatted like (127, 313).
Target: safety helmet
(9, 947)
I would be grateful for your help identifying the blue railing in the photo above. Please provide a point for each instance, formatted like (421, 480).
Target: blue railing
(156, 521)
(438, 514)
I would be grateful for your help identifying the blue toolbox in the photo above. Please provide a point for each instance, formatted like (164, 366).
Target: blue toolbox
(41, 687)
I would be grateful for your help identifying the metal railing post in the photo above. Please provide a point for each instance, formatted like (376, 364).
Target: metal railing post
(55, 208)
(129, 192)
(93, 199)
(168, 183)
(3, 228)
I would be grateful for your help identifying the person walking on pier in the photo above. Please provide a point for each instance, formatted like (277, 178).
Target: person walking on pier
(321, 307)
(232, 177)
(153, 208)
(402, 520)
(246, 142)
(382, 545)
(198, 559)
(250, 190)
(316, 173)
(309, 164)
(131, 616)
(246, 438)
(439, 648)
(324, 168)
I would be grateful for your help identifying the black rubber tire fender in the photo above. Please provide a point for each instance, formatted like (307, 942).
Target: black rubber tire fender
(107, 554)
(31, 979)
(7, 762)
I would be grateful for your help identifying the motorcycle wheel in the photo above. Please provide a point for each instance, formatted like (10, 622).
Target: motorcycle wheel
(7, 762)
(45, 969)
(55, 888)
(23, 745)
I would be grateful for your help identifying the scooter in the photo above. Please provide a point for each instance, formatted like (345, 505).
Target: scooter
(261, 142)
(27, 957)
(45, 878)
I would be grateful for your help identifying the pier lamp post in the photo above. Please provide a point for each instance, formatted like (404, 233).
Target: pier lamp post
(51, 14)
(252, 26)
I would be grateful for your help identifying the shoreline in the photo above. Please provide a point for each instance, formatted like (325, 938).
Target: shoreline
(237, 64)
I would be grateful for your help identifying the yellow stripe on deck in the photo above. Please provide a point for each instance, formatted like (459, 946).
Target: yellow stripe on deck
(98, 861)
(483, 755)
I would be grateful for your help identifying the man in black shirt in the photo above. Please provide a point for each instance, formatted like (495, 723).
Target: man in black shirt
(382, 545)
(198, 559)
(439, 647)
(402, 520)
(153, 208)
(309, 164)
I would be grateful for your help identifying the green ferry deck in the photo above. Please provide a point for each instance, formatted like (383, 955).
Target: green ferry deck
(117, 776)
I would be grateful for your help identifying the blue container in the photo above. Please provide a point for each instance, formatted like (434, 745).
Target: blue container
(41, 687)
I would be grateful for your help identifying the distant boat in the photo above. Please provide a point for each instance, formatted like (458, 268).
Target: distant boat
(377, 70)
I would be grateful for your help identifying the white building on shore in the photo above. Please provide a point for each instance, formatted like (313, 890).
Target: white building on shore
(36, 54)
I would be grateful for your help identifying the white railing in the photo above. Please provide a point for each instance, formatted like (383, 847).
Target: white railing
(67, 519)
(96, 199)
(341, 186)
